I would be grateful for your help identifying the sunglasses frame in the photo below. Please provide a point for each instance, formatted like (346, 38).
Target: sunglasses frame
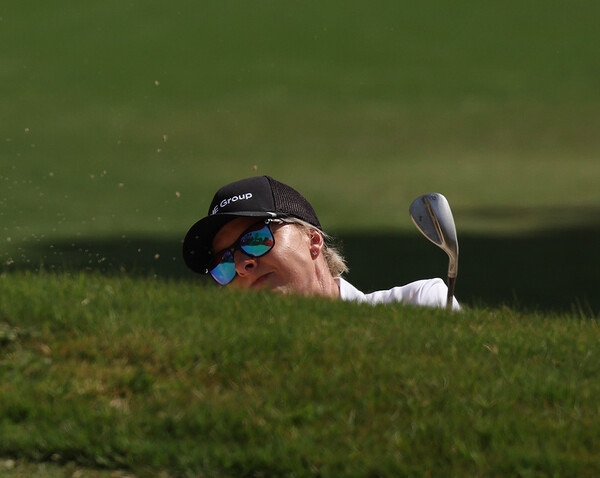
(236, 246)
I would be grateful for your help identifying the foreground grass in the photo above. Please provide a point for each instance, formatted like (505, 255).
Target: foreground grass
(148, 377)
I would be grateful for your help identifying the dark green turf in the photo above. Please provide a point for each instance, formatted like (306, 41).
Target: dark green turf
(120, 119)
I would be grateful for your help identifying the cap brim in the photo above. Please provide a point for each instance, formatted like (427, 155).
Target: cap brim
(197, 245)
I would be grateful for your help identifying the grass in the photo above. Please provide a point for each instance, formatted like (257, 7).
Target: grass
(117, 135)
(147, 376)
(121, 119)
(362, 107)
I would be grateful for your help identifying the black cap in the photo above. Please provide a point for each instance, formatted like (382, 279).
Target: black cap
(260, 196)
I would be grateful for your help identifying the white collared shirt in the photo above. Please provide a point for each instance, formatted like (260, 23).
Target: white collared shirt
(429, 292)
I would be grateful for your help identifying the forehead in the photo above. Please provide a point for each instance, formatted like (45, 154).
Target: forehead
(229, 233)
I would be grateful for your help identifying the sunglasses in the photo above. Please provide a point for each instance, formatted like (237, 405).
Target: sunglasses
(255, 241)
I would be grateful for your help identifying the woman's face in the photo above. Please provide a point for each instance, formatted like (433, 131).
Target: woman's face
(289, 267)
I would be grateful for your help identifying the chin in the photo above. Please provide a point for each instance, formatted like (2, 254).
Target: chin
(290, 290)
(283, 289)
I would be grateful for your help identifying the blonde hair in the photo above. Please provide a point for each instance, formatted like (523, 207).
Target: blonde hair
(332, 255)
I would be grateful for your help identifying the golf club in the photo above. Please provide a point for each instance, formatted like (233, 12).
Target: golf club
(432, 215)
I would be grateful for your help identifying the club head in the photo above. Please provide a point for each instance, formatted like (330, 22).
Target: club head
(432, 215)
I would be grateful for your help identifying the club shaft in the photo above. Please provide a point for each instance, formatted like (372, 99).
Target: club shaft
(451, 287)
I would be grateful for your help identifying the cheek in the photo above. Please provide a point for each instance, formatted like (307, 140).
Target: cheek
(294, 260)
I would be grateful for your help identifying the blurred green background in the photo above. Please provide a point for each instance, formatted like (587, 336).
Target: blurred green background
(121, 119)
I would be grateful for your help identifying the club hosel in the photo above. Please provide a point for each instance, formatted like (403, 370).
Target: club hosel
(450, 296)
(452, 273)
(453, 269)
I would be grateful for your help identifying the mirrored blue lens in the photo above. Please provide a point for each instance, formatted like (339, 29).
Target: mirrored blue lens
(257, 243)
(224, 271)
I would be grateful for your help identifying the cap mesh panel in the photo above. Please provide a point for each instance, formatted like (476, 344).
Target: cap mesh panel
(289, 201)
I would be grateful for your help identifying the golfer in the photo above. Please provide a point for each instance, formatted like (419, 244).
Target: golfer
(261, 233)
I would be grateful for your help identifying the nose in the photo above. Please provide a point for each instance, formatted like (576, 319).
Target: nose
(244, 264)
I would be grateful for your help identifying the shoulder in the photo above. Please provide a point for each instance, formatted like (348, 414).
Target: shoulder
(427, 292)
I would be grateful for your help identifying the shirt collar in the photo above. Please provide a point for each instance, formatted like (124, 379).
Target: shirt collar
(348, 291)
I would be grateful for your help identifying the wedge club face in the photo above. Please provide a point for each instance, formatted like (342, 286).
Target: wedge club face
(432, 215)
